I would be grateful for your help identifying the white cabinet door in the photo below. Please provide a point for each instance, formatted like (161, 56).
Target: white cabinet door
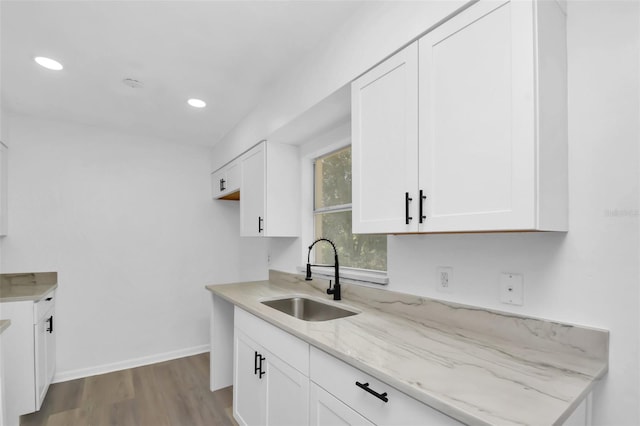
(385, 145)
(477, 110)
(327, 410)
(225, 182)
(51, 350)
(218, 179)
(40, 330)
(287, 394)
(253, 193)
(45, 349)
(267, 390)
(249, 390)
(270, 191)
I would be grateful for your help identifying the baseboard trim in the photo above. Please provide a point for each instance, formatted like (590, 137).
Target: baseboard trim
(64, 376)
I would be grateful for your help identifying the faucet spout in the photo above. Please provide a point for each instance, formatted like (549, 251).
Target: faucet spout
(335, 291)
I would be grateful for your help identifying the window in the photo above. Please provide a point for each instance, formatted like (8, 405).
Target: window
(332, 217)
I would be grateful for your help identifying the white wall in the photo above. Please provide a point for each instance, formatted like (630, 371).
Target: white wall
(589, 275)
(130, 228)
(375, 31)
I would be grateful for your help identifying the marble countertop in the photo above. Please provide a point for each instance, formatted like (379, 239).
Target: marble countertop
(30, 286)
(478, 366)
(4, 324)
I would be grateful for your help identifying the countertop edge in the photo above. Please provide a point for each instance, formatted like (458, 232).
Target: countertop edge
(32, 298)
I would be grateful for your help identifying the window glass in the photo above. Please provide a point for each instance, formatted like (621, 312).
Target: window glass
(332, 217)
(333, 179)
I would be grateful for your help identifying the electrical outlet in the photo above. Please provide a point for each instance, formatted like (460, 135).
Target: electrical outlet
(512, 289)
(444, 279)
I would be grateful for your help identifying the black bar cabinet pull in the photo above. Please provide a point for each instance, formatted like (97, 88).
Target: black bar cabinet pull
(422, 198)
(48, 299)
(365, 386)
(407, 199)
(50, 321)
(222, 182)
(260, 228)
(261, 372)
(257, 364)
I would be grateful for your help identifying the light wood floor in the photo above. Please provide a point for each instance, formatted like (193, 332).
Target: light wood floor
(169, 393)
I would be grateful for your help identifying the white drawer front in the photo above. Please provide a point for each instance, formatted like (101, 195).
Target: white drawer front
(285, 346)
(339, 379)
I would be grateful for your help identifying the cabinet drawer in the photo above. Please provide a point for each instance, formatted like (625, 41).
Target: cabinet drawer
(288, 348)
(43, 306)
(339, 379)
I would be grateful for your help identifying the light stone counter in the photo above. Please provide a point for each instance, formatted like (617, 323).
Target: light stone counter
(480, 367)
(4, 324)
(27, 286)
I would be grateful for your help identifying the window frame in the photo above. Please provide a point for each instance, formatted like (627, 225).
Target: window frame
(347, 274)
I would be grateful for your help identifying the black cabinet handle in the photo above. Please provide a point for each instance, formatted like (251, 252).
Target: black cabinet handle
(50, 321)
(222, 182)
(260, 228)
(261, 372)
(257, 364)
(48, 299)
(407, 199)
(365, 386)
(422, 198)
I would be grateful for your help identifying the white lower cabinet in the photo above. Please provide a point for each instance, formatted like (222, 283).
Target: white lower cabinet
(29, 351)
(271, 383)
(327, 410)
(280, 380)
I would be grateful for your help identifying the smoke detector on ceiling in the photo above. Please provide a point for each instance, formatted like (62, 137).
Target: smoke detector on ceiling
(133, 83)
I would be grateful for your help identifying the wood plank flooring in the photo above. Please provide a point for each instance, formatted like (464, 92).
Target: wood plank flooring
(172, 393)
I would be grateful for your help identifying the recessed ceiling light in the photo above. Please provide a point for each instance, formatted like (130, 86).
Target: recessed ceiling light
(197, 103)
(48, 63)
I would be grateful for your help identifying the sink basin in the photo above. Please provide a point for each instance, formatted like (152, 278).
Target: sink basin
(308, 309)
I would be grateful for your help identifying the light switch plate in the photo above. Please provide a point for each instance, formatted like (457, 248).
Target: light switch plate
(512, 289)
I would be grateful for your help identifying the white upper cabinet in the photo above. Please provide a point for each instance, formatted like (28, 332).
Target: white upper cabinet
(491, 124)
(3, 189)
(254, 193)
(225, 182)
(385, 144)
(270, 191)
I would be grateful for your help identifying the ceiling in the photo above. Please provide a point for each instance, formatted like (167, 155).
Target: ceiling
(227, 53)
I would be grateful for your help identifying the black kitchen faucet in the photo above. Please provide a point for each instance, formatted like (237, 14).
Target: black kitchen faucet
(336, 286)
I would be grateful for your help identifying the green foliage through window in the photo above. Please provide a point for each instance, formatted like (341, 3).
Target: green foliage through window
(332, 217)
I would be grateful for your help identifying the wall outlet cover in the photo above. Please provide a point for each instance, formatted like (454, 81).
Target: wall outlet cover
(512, 289)
(444, 279)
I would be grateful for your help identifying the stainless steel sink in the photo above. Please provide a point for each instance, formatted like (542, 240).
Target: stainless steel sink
(308, 309)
